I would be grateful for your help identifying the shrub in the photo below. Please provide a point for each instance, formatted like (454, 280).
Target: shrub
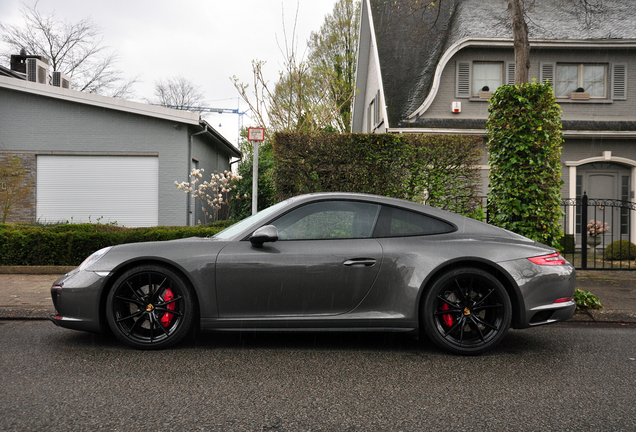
(68, 245)
(620, 250)
(440, 171)
(567, 243)
(524, 145)
(586, 300)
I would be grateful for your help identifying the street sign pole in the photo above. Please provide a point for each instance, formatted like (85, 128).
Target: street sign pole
(255, 136)
(255, 177)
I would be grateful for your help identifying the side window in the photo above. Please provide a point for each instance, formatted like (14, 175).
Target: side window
(394, 222)
(328, 220)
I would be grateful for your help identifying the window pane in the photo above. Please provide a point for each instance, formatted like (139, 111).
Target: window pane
(594, 80)
(395, 222)
(567, 79)
(486, 74)
(328, 220)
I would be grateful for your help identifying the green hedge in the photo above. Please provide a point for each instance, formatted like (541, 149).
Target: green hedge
(69, 245)
(524, 146)
(568, 244)
(439, 170)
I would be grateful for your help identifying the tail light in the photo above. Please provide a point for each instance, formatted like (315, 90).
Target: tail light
(552, 259)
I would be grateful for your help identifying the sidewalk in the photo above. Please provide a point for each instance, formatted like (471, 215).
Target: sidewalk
(27, 295)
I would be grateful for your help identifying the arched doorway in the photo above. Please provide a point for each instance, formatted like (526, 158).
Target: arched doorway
(605, 180)
(605, 177)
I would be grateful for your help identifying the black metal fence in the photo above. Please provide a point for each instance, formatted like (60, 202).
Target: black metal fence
(598, 233)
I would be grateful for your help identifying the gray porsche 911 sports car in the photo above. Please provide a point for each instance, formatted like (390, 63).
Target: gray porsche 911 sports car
(327, 261)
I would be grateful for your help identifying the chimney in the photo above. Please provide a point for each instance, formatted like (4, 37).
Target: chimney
(19, 61)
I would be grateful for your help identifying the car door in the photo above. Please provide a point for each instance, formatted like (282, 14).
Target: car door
(324, 263)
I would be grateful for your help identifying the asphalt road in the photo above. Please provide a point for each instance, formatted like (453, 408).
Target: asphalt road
(574, 377)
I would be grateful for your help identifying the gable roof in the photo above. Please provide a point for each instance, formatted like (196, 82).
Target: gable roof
(414, 43)
(178, 116)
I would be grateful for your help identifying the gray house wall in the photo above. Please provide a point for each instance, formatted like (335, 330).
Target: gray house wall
(211, 161)
(32, 124)
(595, 145)
(598, 110)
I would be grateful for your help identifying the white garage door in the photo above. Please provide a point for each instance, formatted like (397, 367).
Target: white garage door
(122, 189)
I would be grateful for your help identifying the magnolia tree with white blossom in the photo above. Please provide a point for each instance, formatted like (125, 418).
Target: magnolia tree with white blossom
(212, 194)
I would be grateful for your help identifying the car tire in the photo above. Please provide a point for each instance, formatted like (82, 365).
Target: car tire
(466, 311)
(150, 307)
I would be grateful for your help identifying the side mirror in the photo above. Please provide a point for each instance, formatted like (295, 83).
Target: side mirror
(267, 233)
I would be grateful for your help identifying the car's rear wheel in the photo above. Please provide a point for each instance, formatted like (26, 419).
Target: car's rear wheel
(467, 311)
(150, 307)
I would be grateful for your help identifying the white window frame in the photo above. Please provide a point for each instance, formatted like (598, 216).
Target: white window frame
(477, 88)
(373, 113)
(580, 78)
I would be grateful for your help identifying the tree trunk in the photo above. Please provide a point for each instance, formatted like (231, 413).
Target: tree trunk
(521, 42)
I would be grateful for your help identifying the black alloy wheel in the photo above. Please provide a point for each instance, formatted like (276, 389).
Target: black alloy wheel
(150, 307)
(467, 311)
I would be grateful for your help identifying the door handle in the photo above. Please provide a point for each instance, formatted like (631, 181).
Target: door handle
(360, 262)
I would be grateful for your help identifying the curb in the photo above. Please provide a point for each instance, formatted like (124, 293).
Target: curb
(39, 270)
(9, 313)
(604, 316)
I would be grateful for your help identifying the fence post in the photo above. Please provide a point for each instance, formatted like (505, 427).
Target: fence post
(584, 231)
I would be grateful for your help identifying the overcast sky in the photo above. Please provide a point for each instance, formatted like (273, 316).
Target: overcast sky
(205, 41)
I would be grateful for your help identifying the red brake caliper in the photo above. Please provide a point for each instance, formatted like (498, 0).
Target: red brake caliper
(448, 318)
(166, 319)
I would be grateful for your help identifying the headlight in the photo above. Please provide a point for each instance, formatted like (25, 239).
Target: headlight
(93, 258)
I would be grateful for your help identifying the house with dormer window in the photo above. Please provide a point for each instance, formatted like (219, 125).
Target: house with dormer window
(431, 70)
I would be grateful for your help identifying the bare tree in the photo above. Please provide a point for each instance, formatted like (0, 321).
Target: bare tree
(310, 95)
(584, 10)
(178, 93)
(72, 48)
(521, 42)
(333, 58)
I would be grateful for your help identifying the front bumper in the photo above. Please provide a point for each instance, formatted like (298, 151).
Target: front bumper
(76, 297)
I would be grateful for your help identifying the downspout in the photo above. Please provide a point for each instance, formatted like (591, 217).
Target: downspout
(189, 162)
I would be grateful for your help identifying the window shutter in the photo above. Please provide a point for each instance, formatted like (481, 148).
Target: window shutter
(463, 79)
(547, 73)
(619, 81)
(510, 72)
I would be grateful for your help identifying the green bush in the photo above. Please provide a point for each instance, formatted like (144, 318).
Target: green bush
(567, 244)
(524, 145)
(241, 202)
(68, 245)
(586, 300)
(438, 170)
(620, 250)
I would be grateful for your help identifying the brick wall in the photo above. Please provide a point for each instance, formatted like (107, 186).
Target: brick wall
(24, 209)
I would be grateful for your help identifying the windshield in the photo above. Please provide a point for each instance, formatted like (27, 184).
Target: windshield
(254, 219)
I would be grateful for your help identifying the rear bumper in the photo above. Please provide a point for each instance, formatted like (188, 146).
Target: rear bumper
(551, 313)
(545, 292)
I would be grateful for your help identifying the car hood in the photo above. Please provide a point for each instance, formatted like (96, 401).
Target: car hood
(188, 253)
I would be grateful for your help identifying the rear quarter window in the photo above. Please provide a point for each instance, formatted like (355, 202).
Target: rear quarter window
(394, 222)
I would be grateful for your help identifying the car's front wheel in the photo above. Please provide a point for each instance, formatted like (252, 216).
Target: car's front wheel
(150, 307)
(467, 311)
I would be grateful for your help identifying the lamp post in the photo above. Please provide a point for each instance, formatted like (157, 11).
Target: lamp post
(255, 135)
